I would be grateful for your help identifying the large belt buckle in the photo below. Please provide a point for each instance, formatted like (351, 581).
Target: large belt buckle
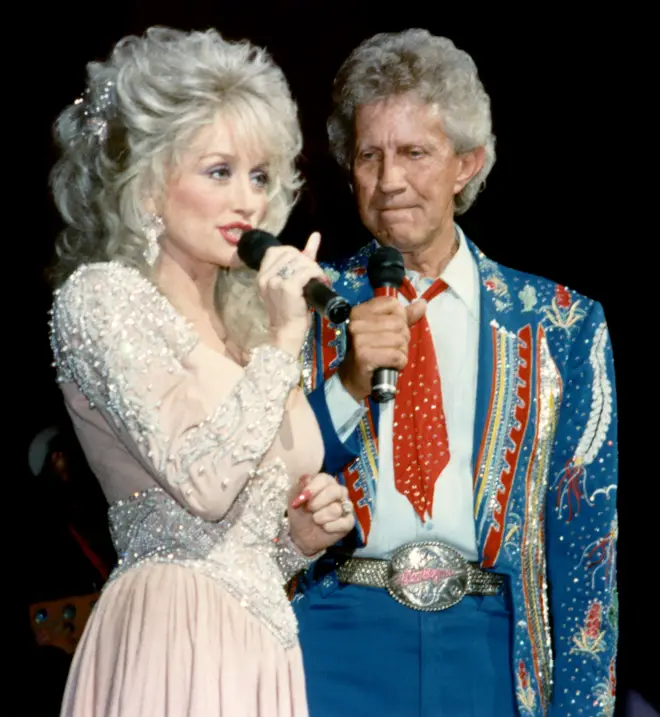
(427, 576)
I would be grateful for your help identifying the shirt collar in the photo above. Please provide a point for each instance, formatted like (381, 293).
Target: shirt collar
(461, 276)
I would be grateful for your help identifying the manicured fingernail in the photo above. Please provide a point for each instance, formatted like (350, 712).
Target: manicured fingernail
(302, 498)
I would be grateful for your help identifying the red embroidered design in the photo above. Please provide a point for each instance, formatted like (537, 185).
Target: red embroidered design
(524, 690)
(517, 431)
(589, 639)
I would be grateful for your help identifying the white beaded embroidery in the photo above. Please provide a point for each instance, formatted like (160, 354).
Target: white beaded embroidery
(114, 335)
(248, 552)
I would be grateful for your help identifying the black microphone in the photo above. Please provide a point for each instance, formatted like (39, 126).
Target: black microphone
(252, 246)
(385, 271)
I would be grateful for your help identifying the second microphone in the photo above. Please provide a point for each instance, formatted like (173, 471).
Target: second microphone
(386, 271)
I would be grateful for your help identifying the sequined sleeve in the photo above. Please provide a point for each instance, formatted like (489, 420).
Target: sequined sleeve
(289, 558)
(200, 422)
(582, 529)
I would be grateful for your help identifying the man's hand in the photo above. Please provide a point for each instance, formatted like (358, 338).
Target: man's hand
(379, 337)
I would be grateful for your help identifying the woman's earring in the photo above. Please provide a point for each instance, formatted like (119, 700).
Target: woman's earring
(153, 229)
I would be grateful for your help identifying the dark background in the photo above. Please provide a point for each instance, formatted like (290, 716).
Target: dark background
(564, 201)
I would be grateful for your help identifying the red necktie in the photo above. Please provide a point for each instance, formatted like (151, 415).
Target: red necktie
(421, 448)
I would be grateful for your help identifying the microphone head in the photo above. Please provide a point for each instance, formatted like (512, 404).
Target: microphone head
(386, 267)
(253, 245)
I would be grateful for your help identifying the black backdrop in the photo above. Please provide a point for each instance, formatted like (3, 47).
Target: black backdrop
(563, 84)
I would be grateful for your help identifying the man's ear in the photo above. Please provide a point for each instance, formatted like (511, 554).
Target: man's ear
(470, 164)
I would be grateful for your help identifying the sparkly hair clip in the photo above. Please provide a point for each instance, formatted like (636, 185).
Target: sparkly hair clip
(97, 110)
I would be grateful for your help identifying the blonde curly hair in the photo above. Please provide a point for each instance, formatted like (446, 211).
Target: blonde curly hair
(142, 108)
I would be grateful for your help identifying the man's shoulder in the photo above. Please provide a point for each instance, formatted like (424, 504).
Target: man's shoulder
(348, 274)
(571, 322)
(348, 262)
(529, 291)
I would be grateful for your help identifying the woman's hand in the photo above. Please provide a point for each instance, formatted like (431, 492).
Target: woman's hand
(283, 274)
(320, 513)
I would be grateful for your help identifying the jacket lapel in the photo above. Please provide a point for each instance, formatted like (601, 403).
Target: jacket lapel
(486, 398)
(504, 405)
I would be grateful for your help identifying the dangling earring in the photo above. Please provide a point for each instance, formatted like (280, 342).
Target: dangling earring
(153, 229)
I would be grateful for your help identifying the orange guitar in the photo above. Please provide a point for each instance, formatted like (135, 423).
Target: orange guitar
(60, 623)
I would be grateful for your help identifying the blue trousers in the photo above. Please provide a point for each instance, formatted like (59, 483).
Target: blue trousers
(365, 655)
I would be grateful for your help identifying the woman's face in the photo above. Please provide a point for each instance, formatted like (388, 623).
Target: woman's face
(218, 191)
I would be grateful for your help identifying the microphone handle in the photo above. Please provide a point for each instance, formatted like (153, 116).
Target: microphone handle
(383, 384)
(383, 380)
(322, 298)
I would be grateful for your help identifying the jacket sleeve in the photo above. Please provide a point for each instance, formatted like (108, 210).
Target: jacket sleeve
(337, 413)
(581, 520)
(339, 436)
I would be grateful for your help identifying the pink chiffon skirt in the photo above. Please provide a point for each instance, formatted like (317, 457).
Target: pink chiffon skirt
(165, 641)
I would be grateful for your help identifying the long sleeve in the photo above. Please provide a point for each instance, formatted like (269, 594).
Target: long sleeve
(339, 430)
(289, 558)
(582, 529)
(344, 410)
(200, 423)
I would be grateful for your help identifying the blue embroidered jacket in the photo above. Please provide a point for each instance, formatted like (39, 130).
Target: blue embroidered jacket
(545, 473)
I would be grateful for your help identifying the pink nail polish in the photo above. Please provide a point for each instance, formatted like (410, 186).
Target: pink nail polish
(302, 498)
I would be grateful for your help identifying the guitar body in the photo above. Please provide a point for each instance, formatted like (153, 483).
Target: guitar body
(60, 623)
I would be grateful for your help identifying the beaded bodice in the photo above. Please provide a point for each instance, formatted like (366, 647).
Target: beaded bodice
(247, 552)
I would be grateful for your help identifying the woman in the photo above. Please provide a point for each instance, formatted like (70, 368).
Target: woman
(181, 374)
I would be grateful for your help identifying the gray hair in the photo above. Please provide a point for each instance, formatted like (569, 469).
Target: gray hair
(141, 109)
(436, 72)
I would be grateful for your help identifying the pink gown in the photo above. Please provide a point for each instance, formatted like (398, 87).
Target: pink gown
(196, 456)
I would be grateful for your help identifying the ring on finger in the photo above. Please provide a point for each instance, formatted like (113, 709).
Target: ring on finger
(346, 507)
(286, 271)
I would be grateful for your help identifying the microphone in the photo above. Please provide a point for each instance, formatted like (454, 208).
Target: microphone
(385, 271)
(252, 246)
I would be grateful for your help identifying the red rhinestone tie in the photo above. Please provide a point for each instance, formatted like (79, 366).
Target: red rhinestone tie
(421, 447)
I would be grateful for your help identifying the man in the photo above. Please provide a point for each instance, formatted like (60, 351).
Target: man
(493, 472)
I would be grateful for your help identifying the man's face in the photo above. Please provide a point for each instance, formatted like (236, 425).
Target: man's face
(406, 173)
